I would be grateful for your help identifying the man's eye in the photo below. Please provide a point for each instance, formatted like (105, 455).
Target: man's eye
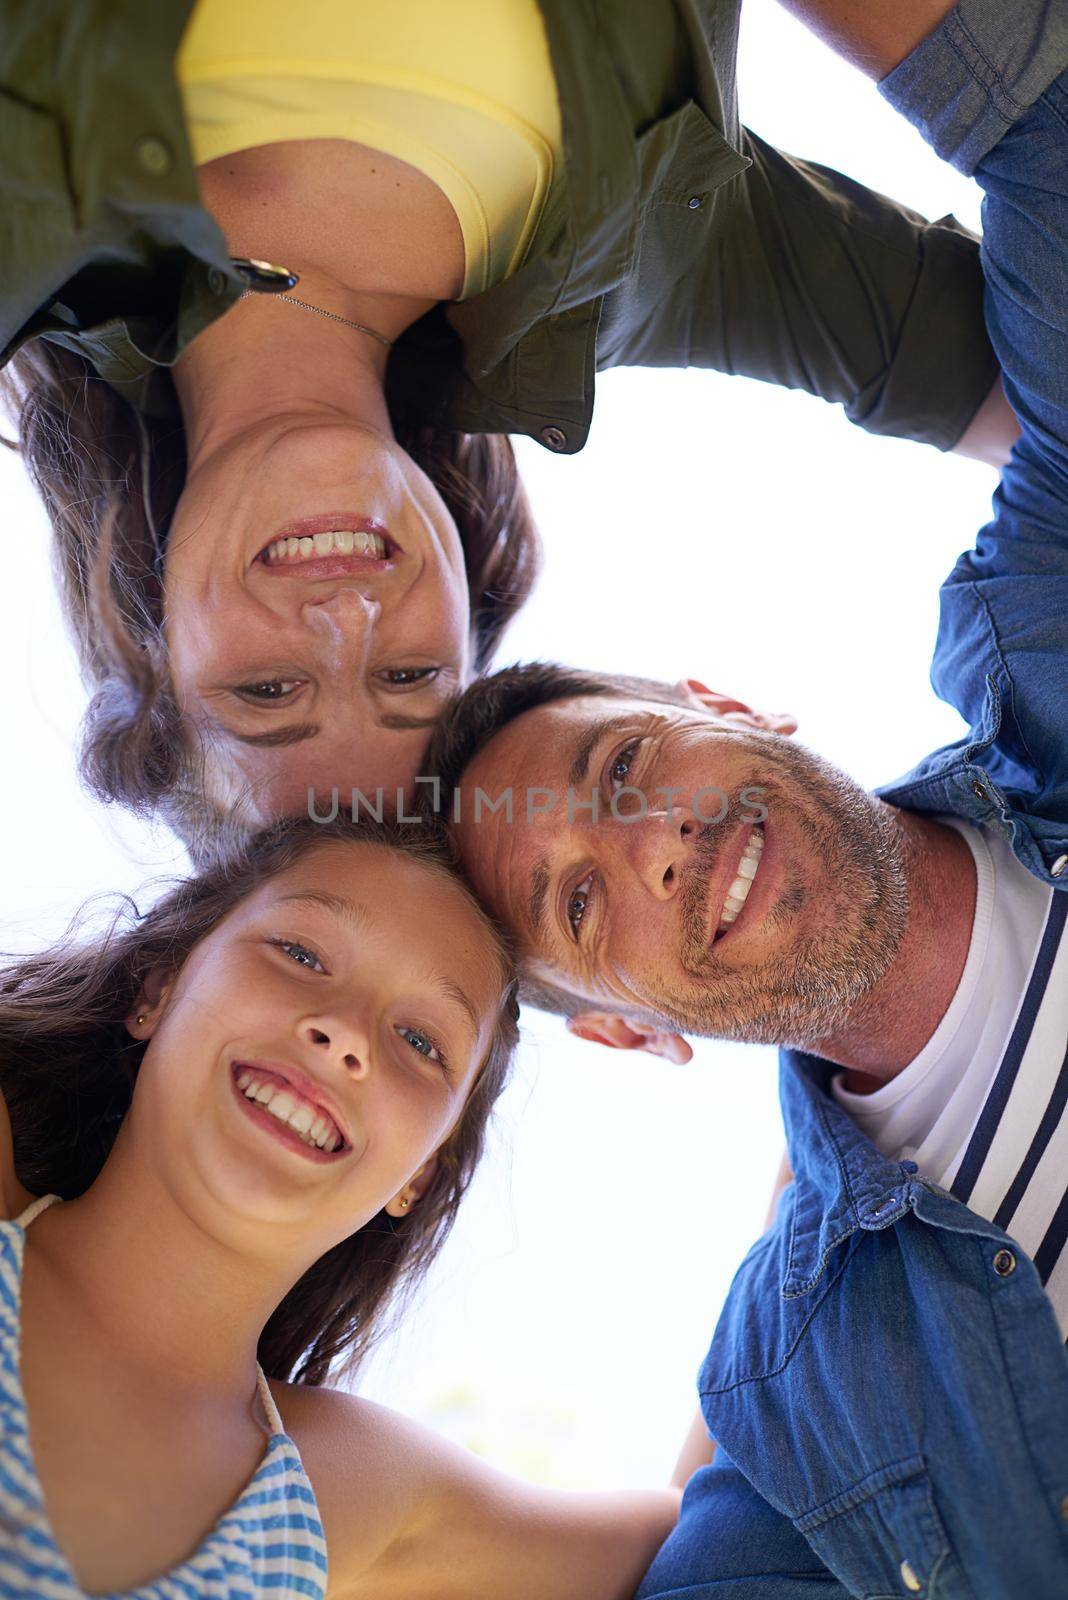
(577, 903)
(300, 954)
(270, 689)
(401, 677)
(620, 765)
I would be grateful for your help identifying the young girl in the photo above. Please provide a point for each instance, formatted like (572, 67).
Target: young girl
(249, 1117)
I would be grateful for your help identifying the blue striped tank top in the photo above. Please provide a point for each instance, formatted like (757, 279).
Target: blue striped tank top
(268, 1546)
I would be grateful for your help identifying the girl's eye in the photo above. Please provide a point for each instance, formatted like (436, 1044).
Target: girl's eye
(619, 768)
(271, 689)
(401, 677)
(576, 905)
(423, 1044)
(300, 954)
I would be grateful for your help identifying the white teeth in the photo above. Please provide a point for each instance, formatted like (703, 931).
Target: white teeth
(341, 541)
(738, 892)
(314, 1126)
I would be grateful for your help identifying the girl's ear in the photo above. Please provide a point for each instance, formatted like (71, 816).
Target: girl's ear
(150, 1004)
(736, 711)
(414, 1190)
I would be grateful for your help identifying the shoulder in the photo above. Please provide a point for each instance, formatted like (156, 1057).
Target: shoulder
(14, 1197)
(371, 1470)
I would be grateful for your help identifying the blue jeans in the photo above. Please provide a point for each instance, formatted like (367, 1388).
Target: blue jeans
(886, 1399)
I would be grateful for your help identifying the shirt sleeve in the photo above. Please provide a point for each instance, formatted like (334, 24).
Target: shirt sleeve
(812, 281)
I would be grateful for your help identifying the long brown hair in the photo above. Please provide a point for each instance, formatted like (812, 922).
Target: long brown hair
(110, 478)
(68, 1068)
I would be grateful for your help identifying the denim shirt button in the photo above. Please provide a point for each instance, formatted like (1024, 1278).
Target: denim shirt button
(909, 1578)
(909, 1166)
(1058, 866)
(1004, 1263)
(979, 791)
(1064, 1507)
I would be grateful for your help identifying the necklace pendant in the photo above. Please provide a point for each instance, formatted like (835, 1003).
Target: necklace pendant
(263, 277)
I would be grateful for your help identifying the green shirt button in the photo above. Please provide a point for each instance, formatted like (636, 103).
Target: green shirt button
(153, 156)
(694, 202)
(217, 281)
(555, 438)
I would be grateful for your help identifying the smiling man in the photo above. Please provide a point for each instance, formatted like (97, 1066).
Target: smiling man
(888, 1382)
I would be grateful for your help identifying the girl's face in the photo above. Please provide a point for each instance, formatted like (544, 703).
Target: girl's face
(317, 613)
(361, 988)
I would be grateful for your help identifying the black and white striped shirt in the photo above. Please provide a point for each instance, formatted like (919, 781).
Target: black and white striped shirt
(983, 1108)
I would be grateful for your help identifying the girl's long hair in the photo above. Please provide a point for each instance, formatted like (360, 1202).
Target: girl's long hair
(110, 479)
(68, 1068)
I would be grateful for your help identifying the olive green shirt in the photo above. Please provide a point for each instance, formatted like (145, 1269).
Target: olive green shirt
(673, 236)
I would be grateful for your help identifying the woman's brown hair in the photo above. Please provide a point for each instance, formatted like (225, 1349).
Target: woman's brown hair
(68, 1067)
(110, 478)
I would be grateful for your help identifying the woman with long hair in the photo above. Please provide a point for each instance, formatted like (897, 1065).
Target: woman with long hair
(289, 533)
(237, 1131)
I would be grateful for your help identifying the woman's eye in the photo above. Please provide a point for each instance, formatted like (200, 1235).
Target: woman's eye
(619, 768)
(401, 677)
(270, 689)
(425, 1046)
(300, 954)
(577, 903)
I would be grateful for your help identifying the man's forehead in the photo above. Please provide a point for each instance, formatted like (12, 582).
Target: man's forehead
(554, 722)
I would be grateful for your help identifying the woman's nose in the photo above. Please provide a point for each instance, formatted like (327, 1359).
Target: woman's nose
(345, 621)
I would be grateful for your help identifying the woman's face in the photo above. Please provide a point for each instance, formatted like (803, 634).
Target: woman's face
(362, 987)
(324, 661)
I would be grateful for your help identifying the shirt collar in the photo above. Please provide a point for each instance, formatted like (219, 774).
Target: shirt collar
(842, 1182)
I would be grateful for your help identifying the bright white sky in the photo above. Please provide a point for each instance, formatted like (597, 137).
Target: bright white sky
(797, 565)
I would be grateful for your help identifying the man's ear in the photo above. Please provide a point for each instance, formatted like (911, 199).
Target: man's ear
(623, 1033)
(150, 1004)
(736, 711)
(414, 1189)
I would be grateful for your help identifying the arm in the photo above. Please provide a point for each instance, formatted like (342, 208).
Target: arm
(470, 1532)
(875, 35)
(698, 1449)
(814, 282)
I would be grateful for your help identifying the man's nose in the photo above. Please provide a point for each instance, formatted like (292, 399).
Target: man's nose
(345, 620)
(657, 845)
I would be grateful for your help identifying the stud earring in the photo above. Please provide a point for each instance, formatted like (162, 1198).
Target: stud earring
(405, 1203)
(142, 1018)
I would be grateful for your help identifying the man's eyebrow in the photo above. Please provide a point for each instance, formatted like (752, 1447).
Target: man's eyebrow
(539, 893)
(589, 742)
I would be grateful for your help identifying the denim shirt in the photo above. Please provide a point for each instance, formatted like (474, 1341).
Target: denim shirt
(1001, 659)
(877, 1343)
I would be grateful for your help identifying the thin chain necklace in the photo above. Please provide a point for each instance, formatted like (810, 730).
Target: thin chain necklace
(318, 311)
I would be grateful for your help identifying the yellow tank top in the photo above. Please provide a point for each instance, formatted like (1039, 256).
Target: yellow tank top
(461, 89)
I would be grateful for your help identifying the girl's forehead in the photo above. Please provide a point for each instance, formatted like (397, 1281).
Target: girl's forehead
(406, 902)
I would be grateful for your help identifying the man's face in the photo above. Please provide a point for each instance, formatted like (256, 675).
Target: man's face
(758, 899)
